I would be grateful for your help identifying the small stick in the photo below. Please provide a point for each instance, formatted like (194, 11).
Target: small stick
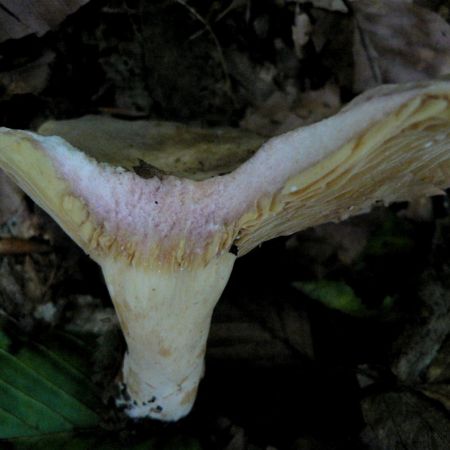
(16, 246)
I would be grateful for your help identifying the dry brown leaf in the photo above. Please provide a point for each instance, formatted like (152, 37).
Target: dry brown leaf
(24, 17)
(398, 41)
(28, 79)
(15, 218)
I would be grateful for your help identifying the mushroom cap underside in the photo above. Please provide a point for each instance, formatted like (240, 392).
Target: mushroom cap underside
(390, 144)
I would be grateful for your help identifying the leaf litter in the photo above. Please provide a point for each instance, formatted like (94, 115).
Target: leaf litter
(286, 64)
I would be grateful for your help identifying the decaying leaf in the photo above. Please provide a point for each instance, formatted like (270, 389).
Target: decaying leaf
(439, 369)
(301, 31)
(11, 199)
(420, 342)
(20, 18)
(439, 392)
(26, 283)
(398, 42)
(16, 219)
(89, 316)
(263, 332)
(332, 5)
(286, 111)
(404, 421)
(28, 79)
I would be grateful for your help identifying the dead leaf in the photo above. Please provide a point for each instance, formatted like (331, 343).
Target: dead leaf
(11, 199)
(439, 369)
(419, 344)
(398, 41)
(438, 392)
(404, 421)
(28, 79)
(264, 332)
(320, 245)
(301, 31)
(26, 283)
(419, 209)
(21, 18)
(15, 217)
(89, 316)
(238, 440)
(288, 110)
(271, 114)
(331, 5)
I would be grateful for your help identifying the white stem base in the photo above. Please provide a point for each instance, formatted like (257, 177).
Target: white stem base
(165, 317)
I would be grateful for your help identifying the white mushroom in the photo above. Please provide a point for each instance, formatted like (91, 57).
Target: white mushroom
(150, 203)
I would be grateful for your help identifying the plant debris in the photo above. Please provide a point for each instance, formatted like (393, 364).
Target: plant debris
(18, 19)
(287, 368)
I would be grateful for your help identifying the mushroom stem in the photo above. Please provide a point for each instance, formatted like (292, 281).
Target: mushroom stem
(165, 316)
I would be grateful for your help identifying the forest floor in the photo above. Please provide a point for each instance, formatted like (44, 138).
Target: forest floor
(334, 338)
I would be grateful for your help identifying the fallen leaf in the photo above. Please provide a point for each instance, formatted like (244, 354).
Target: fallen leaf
(438, 392)
(404, 421)
(286, 111)
(19, 19)
(301, 31)
(419, 209)
(89, 316)
(332, 5)
(398, 41)
(30, 78)
(44, 387)
(422, 339)
(439, 369)
(338, 295)
(263, 332)
(15, 217)
(26, 283)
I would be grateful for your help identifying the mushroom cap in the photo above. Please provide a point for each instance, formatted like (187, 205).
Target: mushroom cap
(390, 144)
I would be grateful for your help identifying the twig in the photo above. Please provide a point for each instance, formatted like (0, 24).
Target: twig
(234, 4)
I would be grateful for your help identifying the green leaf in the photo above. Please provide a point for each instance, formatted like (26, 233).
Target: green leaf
(5, 341)
(393, 237)
(338, 295)
(44, 387)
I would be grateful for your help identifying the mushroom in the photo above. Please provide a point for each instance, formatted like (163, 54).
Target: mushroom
(165, 209)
